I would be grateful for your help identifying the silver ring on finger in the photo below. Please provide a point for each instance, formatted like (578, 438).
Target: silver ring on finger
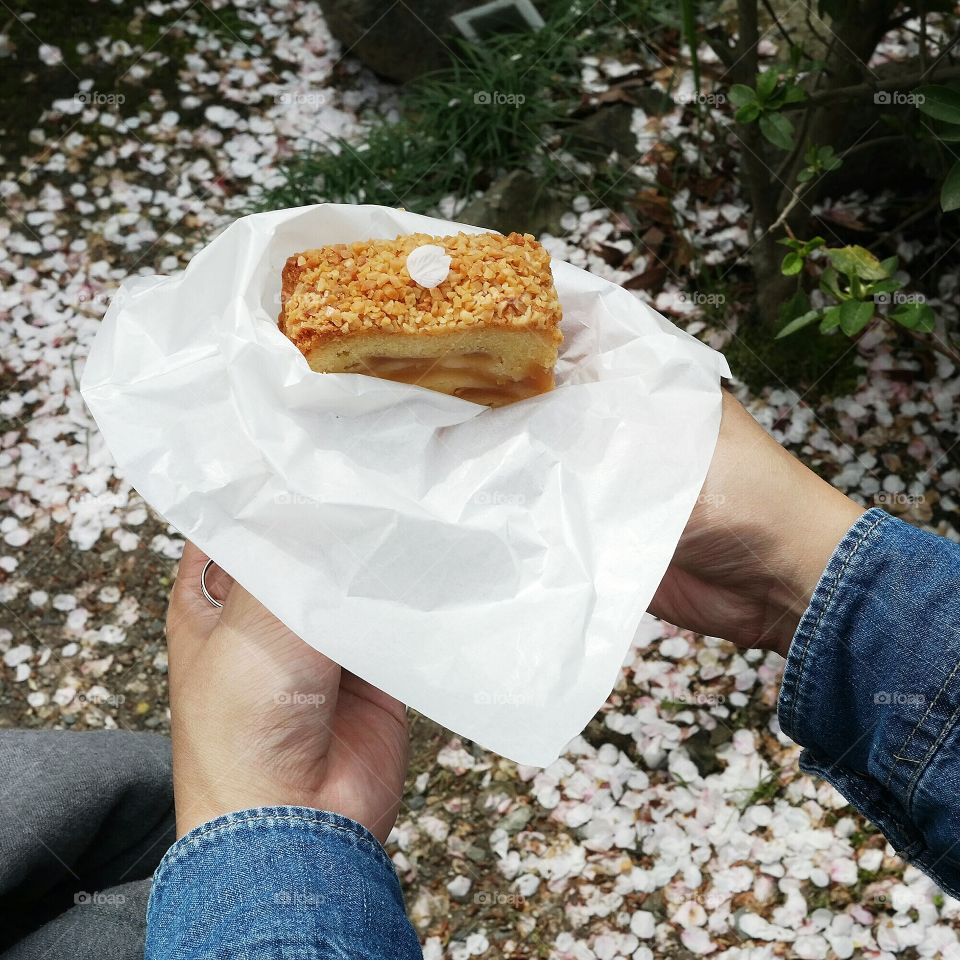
(203, 586)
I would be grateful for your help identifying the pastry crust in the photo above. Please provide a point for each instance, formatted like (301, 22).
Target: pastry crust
(489, 332)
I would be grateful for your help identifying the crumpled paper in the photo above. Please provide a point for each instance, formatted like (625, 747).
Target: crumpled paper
(487, 567)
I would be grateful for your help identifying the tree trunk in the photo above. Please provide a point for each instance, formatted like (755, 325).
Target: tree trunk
(769, 181)
(853, 38)
(757, 179)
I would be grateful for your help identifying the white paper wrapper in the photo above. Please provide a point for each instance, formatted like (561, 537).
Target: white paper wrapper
(488, 567)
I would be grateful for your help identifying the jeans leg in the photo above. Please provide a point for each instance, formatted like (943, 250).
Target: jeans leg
(110, 925)
(84, 813)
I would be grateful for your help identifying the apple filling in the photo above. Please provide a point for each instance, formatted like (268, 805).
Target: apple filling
(476, 376)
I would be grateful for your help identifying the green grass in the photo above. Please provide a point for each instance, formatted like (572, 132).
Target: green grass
(453, 137)
(504, 104)
(491, 111)
(765, 791)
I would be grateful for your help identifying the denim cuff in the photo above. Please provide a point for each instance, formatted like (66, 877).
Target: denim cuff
(229, 828)
(871, 687)
(277, 882)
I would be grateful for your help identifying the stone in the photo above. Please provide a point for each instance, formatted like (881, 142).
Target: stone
(399, 41)
(652, 101)
(603, 132)
(516, 819)
(476, 854)
(702, 749)
(515, 202)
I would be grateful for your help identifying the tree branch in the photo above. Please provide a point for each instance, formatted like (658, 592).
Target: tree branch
(726, 54)
(943, 53)
(776, 20)
(749, 40)
(919, 214)
(813, 29)
(798, 193)
(862, 89)
(924, 60)
(867, 144)
(934, 344)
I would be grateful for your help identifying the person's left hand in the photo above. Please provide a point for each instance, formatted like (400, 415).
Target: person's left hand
(260, 718)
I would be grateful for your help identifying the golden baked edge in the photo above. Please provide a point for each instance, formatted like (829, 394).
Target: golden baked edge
(489, 332)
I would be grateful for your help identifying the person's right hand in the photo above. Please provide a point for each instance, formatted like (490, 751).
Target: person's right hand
(760, 536)
(259, 718)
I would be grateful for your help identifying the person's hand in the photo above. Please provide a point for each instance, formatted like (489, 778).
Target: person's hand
(758, 540)
(260, 718)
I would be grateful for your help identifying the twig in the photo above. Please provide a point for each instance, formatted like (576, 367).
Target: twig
(724, 52)
(789, 164)
(934, 344)
(923, 37)
(788, 209)
(798, 194)
(932, 204)
(866, 144)
(791, 159)
(749, 40)
(812, 29)
(944, 52)
(776, 20)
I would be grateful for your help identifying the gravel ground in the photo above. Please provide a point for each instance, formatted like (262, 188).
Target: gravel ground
(678, 824)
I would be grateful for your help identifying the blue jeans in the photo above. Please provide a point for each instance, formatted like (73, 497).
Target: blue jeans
(278, 882)
(871, 690)
(871, 687)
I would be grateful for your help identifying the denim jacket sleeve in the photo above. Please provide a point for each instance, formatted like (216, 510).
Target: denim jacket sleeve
(278, 882)
(871, 687)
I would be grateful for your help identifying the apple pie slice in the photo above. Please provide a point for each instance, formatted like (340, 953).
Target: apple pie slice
(473, 315)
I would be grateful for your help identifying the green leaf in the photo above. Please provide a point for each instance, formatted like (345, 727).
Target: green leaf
(794, 94)
(949, 134)
(766, 84)
(927, 321)
(748, 113)
(915, 316)
(805, 174)
(856, 261)
(791, 242)
(775, 101)
(741, 95)
(939, 102)
(831, 319)
(792, 264)
(829, 282)
(890, 265)
(777, 129)
(791, 309)
(885, 286)
(950, 191)
(804, 320)
(854, 316)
